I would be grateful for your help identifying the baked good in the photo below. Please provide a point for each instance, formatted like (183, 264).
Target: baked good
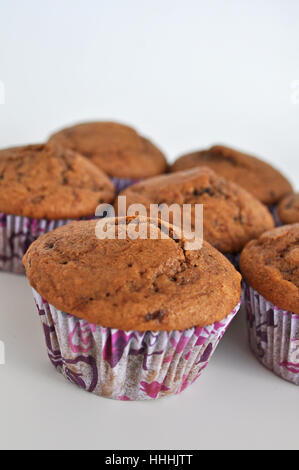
(137, 300)
(270, 266)
(42, 187)
(288, 209)
(116, 149)
(259, 178)
(231, 216)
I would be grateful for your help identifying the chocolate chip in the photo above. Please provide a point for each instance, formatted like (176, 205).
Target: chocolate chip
(158, 315)
(37, 199)
(200, 192)
(49, 245)
(19, 165)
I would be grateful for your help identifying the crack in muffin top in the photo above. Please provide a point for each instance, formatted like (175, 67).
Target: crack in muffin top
(288, 209)
(142, 284)
(46, 181)
(259, 178)
(115, 148)
(231, 216)
(271, 266)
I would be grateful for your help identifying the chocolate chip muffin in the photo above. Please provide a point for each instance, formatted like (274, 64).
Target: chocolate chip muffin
(147, 323)
(288, 209)
(259, 178)
(231, 216)
(42, 187)
(117, 149)
(270, 266)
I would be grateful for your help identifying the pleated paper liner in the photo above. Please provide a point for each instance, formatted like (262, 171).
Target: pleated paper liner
(127, 365)
(274, 212)
(122, 183)
(234, 258)
(16, 235)
(273, 335)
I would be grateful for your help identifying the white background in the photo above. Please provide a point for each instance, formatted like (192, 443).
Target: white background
(188, 74)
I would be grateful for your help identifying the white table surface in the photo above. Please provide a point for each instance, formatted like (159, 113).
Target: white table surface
(187, 74)
(235, 404)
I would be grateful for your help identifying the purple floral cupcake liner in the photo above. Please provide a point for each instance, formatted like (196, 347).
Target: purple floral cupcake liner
(127, 365)
(274, 213)
(122, 183)
(273, 335)
(234, 258)
(16, 235)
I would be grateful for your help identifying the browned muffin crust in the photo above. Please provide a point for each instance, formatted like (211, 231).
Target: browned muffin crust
(231, 216)
(132, 284)
(117, 149)
(271, 266)
(46, 181)
(288, 209)
(256, 176)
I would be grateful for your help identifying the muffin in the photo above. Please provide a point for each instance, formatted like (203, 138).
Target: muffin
(116, 149)
(270, 266)
(288, 210)
(130, 319)
(43, 187)
(231, 216)
(259, 178)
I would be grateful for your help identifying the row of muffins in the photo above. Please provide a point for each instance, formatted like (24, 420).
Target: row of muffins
(89, 164)
(140, 319)
(176, 302)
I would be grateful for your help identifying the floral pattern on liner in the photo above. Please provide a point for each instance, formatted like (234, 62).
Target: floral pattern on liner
(273, 335)
(127, 365)
(122, 183)
(16, 235)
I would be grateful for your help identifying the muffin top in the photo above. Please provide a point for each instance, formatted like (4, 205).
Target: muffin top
(271, 266)
(117, 149)
(45, 181)
(141, 284)
(256, 176)
(288, 209)
(231, 216)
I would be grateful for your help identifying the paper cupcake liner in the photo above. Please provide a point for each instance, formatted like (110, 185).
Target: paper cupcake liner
(127, 365)
(234, 258)
(16, 235)
(273, 335)
(274, 212)
(123, 183)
